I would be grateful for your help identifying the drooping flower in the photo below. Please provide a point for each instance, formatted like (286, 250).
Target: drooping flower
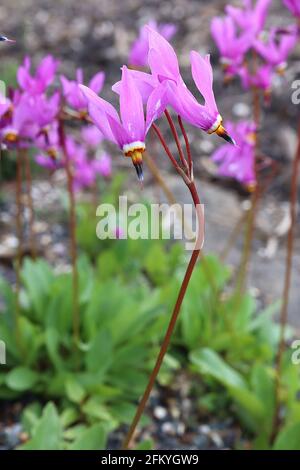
(44, 76)
(102, 165)
(48, 143)
(275, 47)
(293, 6)
(73, 94)
(231, 44)
(238, 161)
(138, 55)
(20, 127)
(130, 131)
(250, 17)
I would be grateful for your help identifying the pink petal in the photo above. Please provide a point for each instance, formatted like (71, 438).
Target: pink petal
(97, 82)
(131, 107)
(203, 77)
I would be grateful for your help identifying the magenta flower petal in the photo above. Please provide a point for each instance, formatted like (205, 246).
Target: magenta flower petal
(121, 137)
(162, 58)
(203, 78)
(156, 104)
(99, 110)
(145, 83)
(131, 107)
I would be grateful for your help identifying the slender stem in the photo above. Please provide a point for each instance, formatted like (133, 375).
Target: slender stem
(287, 280)
(193, 191)
(72, 225)
(33, 249)
(163, 142)
(19, 233)
(187, 144)
(176, 138)
(250, 227)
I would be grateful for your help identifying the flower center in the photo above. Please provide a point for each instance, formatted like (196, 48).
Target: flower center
(135, 151)
(11, 137)
(216, 125)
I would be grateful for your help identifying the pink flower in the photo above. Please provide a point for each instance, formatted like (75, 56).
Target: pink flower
(20, 126)
(130, 131)
(48, 143)
(275, 48)
(293, 6)
(43, 77)
(91, 136)
(250, 18)
(232, 46)
(102, 165)
(72, 92)
(238, 161)
(262, 79)
(138, 55)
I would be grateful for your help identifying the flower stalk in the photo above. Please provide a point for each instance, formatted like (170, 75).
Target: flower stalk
(287, 282)
(73, 242)
(32, 241)
(189, 181)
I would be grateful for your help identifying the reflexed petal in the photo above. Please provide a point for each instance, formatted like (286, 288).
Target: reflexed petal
(131, 107)
(97, 82)
(203, 77)
(156, 104)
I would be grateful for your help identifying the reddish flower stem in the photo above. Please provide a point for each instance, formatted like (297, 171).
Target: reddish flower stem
(19, 233)
(187, 144)
(176, 138)
(176, 310)
(287, 281)
(72, 225)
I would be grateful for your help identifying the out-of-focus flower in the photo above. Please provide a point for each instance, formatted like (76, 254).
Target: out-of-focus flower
(293, 6)
(91, 136)
(232, 46)
(138, 55)
(48, 143)
(44, 76)
(262, 78)
(102, 165)
(238, 161)
(20, 127)
(129, 133)
(274, 48)
(73, 94)
(250, 17)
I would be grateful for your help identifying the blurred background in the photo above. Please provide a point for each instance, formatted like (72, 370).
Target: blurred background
(185, 412)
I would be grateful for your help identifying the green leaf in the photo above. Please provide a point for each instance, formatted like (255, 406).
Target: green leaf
(209, 362)
(48, 433)
(93, 438)
(74, 390)
(288, 438)
(99, 356)
(21, 379)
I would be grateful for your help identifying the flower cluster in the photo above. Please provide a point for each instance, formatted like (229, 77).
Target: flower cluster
(162, 87)
(32, 116)
(241, 34)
